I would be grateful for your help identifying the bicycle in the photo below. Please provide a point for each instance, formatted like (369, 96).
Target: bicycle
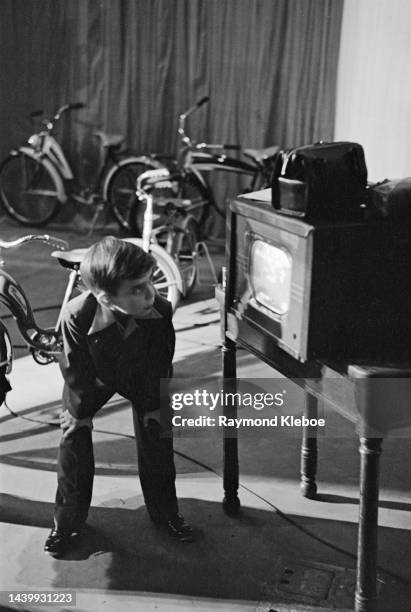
(45, 345)
(189, 187)
(36, 179)
(177, 236)
(41, 342)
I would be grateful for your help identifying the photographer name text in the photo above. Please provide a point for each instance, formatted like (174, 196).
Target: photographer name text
(224, 421)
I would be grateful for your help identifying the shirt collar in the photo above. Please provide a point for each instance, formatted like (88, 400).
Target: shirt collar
(104, 317)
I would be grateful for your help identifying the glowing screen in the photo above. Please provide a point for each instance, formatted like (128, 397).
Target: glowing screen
(270, 276)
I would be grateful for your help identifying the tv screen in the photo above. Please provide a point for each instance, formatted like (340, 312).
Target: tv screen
(270, 276)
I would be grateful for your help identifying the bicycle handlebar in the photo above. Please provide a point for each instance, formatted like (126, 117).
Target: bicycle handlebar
(182, 118)
(66, 107)
(206, 145)
(36, 113)
(201, 145)
(55, 242)
(193, 108)
(77, 105)
(202, 101)
(49, 123)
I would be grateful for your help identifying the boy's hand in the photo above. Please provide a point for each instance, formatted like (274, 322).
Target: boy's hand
(69, 423)
(154, 415)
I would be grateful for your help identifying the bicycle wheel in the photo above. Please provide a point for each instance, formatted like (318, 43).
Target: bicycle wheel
(28, 190)
(166, 275)
(164, 279)
(121, 191)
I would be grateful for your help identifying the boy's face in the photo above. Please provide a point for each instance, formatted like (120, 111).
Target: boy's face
(133, 297)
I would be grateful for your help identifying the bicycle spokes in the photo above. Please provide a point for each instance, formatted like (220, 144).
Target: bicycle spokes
(28, 189)
(161, 282)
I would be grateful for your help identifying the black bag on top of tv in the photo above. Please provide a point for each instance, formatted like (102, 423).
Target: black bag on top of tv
(321, 181)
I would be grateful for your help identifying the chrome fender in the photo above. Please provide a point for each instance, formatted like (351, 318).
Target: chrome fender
(61, 192)
(156, 248)
(141, 159)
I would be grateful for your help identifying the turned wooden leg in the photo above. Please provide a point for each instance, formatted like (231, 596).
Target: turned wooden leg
(231, 502)
(308, 484)
(366, 589)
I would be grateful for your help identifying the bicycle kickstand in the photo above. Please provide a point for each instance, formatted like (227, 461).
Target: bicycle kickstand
(99, 209)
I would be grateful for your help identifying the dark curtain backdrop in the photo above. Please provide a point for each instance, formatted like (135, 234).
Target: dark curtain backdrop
(269, 67)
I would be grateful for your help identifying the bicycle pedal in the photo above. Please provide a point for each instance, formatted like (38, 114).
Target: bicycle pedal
(82, 200)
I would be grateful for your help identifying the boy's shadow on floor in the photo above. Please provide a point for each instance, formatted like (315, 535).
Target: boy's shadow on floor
(232, 558)
(122, 550)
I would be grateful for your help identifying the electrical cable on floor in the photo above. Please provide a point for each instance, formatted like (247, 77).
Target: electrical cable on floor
(282, 515)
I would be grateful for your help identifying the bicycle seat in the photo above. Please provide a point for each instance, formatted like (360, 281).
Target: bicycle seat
(260, 155)
(69, 259)
(109, 140)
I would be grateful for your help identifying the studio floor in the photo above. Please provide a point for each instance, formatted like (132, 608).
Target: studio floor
(282, 553)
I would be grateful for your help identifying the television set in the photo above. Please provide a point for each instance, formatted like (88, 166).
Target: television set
(329, 290)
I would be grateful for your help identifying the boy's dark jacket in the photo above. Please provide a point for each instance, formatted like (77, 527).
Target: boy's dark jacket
(104, 355)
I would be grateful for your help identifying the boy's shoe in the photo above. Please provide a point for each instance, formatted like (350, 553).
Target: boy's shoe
(179, 530)
(57, 543)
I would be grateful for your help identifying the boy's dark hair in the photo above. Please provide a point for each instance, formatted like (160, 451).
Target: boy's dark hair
(110, 261)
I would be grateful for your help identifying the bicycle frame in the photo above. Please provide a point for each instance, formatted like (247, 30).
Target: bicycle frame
(13, 297)
(207, 162)
(6, 361)
(145, 182)
(45, 145)
(6, 351)
(179, 226)
(61, 190)
(45, 149)
(196, 158)
(44, 344)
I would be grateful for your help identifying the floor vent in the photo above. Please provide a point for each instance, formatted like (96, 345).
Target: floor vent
(309, 587)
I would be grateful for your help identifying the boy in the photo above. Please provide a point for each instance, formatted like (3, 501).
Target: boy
(118, 337)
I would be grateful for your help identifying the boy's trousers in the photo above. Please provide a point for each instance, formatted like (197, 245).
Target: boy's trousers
(75, 473)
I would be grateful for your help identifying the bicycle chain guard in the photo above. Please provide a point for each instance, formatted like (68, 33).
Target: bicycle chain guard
(41, 341)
